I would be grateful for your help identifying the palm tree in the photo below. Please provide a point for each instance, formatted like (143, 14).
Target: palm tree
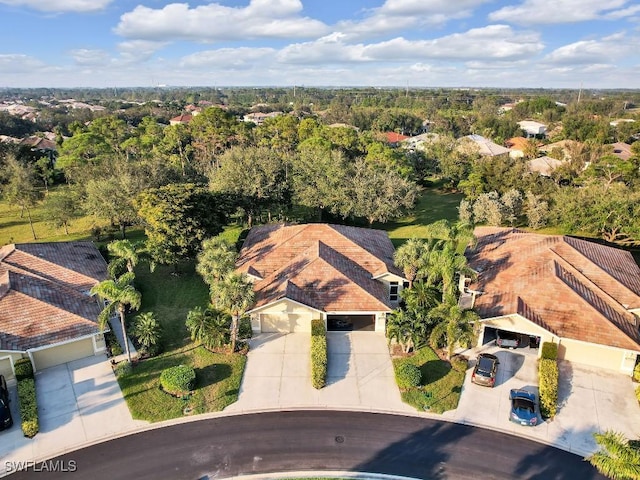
(407, 329)
(410, 257)
(234, 294)
(459, 234)
(444, 264)
(420, 297)
(216, 259)
(126, 254)
(209, 327)
(455, 326)
(618, 458)
(120, 294)
(147, 330)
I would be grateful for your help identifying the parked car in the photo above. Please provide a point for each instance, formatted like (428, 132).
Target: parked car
(485, 370)
(5, 413)
(507, 339)
(523, 407)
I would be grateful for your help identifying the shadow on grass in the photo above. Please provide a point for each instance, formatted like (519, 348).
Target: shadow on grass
(212, 374)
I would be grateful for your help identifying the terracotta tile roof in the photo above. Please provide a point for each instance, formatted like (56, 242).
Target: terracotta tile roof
(183, 118)
(327, 267)
(44, 293)
(517, 143)
(393, 137)
(573, 288)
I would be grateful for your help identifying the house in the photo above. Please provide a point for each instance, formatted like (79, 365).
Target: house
(563, 148)
(483, 146)
(543, 165)
(340, 274)
(583, 296)
(258, 117)
(419, 142)
(517, 146)
(621, 150)
(394, 139)
(46, 312)
(184, 119)
(618, 121)
(533, 129)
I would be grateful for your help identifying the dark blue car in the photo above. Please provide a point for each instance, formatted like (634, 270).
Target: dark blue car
(523, 408)
(5, 414)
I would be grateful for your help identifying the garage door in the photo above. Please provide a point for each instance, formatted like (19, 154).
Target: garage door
(285, 323)
(490, 334)
(5, 368)
(52, 356)
(351, 322)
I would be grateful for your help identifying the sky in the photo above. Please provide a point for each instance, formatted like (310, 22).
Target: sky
(342, 43)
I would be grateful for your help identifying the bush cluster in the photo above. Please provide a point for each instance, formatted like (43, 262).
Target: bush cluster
(27, 397)
(548, 373)
(636, 373)
(178, 380)
(408, 376)
(318, 353)
(112, 343)
(549, 351)
(123, 368)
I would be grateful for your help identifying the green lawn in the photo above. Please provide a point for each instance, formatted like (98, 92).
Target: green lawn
(441, 383)
(434, 204)
(170, 293)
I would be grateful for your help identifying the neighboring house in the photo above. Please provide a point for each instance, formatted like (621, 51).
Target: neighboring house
(336, 273)
(622, 150)
(394, 139)
(184, 119)
(418, 142)
(46, 312)
(544, 165)
(258, 117)
(581, 295)
(517, 146)
(615, 123)
(483, 146)
(563, 146)
(533, 129)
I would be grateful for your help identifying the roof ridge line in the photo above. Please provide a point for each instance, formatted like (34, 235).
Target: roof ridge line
(85, 320)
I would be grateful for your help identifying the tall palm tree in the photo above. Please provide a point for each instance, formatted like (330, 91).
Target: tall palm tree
(458, 233)
(126, 254)
(444, 264)
(410, 257)
(455, 326)
(234, 294)
(209, 327)
(618, 458)
(420, 297)
(120, 294)
(407, 329)
(147, 330)
(216, 259)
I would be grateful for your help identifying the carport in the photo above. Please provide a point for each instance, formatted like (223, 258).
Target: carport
(363, 323)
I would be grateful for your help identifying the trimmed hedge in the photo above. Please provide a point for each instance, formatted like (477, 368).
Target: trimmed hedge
(318, 354)
(548, 373)
(178, 380)
(549, 351)
(636, 373)
(27, 397)
(408, 376)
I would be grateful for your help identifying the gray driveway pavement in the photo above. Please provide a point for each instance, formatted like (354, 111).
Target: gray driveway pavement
(78, 402)
(359, 374)
(591, 400)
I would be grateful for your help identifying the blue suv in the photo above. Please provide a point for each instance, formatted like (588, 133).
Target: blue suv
(5, 413)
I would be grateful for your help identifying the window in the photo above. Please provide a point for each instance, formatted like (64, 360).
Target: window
(393, 291)
(405, 285)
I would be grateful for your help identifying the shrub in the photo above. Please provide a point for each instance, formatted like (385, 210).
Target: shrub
(549, 351)
(459, 363)
(28, 406)
(123, 368)
(178, 380)
(112, 343)
(548, 372)
(318, 354)
(23, 369)
(244, 328)
(408, 376)
(636, 373)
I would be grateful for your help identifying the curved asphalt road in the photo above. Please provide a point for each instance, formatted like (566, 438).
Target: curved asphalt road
(318, 440)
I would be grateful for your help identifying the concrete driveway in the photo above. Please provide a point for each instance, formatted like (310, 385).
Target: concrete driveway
(78, 402)
(359, 374)
(591, 400)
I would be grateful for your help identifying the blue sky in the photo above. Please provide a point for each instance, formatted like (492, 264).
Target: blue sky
(416, 43)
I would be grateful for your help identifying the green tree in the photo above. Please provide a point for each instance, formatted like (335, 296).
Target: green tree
(62, 207)
(20, 188)
(147, 331)
(407, 329)
(234, 294)
(455, 326)
(178, 217)
(618, 458)
(444, 264)
(119, 294)
(411, 257)
(459, 234)
(216, 259)
(209, 327)
(125, 255)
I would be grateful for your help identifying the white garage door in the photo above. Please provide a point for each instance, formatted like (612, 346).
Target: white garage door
(50, 357)
(274, 322)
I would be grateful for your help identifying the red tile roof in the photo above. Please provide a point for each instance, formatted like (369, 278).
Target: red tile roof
(44, 293)
(393, 137)
(327, 267)
(573, 288)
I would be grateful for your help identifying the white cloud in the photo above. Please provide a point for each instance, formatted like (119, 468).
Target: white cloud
(215, 22)
(134, 51)
(532, 12)
(398, 15)
(491, 42)
(603, 51)
(60, 5)
(234, 58)
(14, 63)
(88, 57)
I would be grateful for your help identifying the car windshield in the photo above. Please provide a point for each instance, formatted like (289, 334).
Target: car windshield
(484, 366)
(522, 404)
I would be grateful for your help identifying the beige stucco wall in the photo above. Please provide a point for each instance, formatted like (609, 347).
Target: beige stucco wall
(386, 279)
(7, 359)
(57, 354)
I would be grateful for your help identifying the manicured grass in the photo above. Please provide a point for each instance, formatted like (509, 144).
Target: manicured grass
(170, 293)
(441, 383)
(433, 204)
